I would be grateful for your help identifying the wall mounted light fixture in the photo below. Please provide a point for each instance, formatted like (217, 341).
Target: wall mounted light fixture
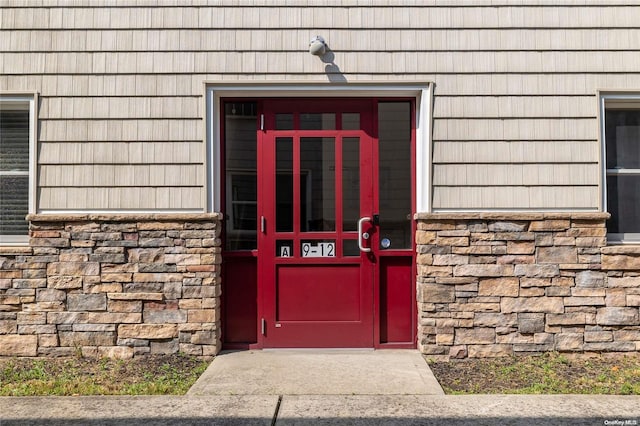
(317, 46)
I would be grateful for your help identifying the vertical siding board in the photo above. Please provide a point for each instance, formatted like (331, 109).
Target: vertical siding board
(144, 131)
(109, 41)
(124, 40)
(19, 41)
(23, 18)
(153, 40)
(175, 198)
(140, 41)
(142, 176)
(160, 131)
(141, 17)
(162, 196)
(120, 18)
(85, 152)
(101, 18)
(169, 40)
(147, 153)
(212, 41)
(189, 17)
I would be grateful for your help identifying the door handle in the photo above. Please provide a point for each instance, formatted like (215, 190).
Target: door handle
(361, 236)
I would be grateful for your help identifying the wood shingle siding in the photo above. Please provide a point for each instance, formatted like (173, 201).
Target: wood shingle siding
(121, 130)
(354, 40)
(125, 108)
(515, 99)
(466, 197)
(462, 62)
(505, 152)
(114, 198)
(356, 15)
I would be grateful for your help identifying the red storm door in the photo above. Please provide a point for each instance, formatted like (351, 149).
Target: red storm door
(317, 187)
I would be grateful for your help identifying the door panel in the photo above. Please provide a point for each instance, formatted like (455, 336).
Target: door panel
(318, 293)
(240, 301)
(396, 299)
(317, 290)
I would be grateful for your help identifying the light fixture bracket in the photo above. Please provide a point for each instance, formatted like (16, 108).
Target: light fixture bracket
(317, 46)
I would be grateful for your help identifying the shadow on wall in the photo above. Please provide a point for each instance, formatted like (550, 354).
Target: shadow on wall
(334, 74)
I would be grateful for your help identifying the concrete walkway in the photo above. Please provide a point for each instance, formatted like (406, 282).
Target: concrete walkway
(318, 372)
(325, 388)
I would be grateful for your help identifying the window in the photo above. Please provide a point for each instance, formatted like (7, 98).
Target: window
(394, 139)
(17, 130)
(241, 179)
(621, 136)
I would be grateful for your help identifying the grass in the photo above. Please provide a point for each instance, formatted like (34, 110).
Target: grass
(165, 375)
(550, 373)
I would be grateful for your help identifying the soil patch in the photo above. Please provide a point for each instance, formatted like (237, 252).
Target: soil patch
(149, 375)
(552, 373)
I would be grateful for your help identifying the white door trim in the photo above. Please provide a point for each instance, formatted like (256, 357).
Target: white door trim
(421, 91)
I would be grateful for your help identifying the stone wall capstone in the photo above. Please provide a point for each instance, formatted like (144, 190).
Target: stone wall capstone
(496, 284)
(118, 285)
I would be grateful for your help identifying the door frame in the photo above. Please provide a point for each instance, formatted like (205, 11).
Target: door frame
(421, 92)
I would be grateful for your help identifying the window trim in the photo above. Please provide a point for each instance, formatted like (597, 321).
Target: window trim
(31, 100)
(615, 100)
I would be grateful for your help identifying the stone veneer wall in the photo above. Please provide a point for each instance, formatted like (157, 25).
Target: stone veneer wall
(501, 284)
(112, 285)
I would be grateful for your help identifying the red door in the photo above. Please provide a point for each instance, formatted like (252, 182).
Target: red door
(318, 223)
(317, 206)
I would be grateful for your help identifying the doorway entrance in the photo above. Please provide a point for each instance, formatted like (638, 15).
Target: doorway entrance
(318, 235)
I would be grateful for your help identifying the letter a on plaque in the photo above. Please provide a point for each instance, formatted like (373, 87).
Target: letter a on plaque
(285, 251)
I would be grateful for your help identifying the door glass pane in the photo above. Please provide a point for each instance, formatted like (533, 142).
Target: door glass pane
(284, 184)
(350, 183)
(317, 184)
(394, 131)
(350, 248)
(318, 121)
(284, 121)
(241, 185)
(351, 121)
